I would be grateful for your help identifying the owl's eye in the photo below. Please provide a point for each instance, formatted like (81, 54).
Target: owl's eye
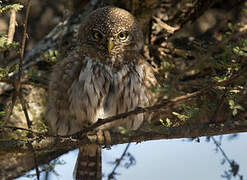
(123, 36)
(97, 35)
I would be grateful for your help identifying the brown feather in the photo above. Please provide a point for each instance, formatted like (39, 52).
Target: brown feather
(88, 165)
(92, 83)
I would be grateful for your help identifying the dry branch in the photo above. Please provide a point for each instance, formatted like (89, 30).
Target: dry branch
(12, 24)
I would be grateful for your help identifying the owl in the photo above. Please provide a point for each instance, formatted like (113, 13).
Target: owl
(103, 76)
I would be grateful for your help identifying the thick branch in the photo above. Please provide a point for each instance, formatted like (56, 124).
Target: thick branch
(184, 131)
(21, 163)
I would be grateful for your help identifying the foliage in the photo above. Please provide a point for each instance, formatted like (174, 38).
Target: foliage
(4, 72)
(5, 8)
(4, 46)
(51, 56)
(212, 65)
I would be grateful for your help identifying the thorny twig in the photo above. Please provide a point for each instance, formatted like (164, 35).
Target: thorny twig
(234, 166)
(113, 173)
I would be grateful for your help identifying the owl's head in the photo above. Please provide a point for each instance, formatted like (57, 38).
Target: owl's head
(110, 31)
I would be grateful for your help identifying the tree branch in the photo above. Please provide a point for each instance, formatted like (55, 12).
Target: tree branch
(12, 23)
(48, 148)
(162, 105)
(42, 143)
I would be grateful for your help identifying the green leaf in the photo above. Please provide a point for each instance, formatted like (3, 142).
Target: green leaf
(16, 7)
(180, 116)
(234, 112)
(239, 51)
(230, 26)
(2, 113)
(3, 72)
(162, 122)
(3, 40)
(12, 68)
(231, 103)
(239, 107)
(168, 122)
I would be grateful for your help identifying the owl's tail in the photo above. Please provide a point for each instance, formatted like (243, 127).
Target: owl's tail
(88, 165)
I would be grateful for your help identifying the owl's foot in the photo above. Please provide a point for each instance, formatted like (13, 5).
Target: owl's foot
(104, 137)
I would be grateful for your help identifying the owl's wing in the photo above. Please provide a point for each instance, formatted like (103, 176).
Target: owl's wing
(76, 94)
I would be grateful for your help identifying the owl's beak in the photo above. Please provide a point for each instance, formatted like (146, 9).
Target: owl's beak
(110, 45)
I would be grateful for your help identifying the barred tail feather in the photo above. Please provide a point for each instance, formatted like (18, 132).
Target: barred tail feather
(88, 165)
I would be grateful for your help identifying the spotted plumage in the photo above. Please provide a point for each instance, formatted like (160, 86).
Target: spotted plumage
(103, 76)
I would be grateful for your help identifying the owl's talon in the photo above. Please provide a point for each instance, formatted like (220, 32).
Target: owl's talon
(100, 137)
(104, 137)
(107, 136)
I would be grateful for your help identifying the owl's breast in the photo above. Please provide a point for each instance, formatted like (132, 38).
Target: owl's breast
(101, 91)
(127, 92)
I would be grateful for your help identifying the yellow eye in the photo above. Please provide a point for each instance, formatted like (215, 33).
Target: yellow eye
(122, 36)
(97, 35)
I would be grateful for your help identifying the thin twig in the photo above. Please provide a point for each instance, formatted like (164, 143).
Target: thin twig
(35, 161)
(111, 175)
(12, 23)
(24, 108)
(167, 27)
(11, 32)
(18, 83)
(221, 150)
(24, 37)
(24, 129)
(10, 109)
(234, 166)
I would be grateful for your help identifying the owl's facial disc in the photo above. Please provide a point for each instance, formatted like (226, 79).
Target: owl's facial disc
(109, 33)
